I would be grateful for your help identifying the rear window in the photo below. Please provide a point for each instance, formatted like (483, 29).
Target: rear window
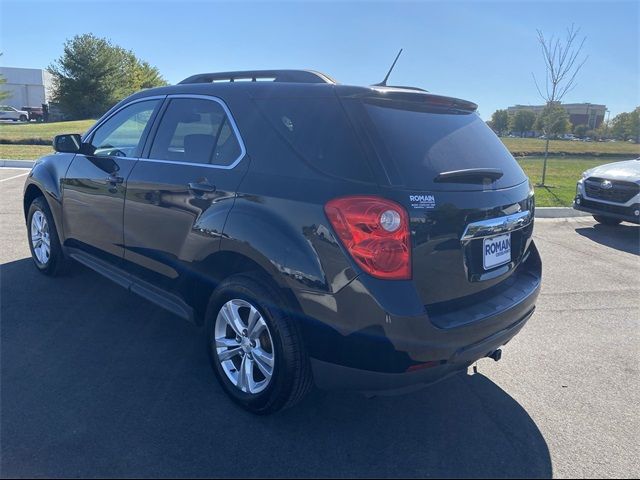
(318, 131)
(418, 143)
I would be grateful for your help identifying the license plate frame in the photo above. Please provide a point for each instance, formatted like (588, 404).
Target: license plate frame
(496, 251)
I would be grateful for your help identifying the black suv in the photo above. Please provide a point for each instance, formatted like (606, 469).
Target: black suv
(370, 238)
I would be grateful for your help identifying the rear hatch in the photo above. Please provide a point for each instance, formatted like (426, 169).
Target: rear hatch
(469, 202)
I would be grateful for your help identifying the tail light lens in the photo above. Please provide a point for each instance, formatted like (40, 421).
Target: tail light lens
(375, 231)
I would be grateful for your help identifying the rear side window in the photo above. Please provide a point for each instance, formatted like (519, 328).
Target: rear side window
(318, 131)
(195, 130)
(417, 143)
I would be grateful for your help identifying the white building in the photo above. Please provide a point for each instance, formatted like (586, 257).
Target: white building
(29, 87)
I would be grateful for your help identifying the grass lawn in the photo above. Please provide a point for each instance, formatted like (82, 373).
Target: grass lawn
(32, 131)
(23, 152)
(532, 146)
(562, 175)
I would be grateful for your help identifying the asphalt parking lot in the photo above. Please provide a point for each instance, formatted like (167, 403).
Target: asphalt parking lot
(96, 382)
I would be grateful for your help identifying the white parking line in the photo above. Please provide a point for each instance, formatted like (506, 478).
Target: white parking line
(15, 176)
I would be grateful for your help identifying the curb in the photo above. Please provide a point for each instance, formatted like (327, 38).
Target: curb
(559, 212)
(17, 163)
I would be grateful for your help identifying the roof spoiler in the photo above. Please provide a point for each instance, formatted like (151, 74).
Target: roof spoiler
(411, 95)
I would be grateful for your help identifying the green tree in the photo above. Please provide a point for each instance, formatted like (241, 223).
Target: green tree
(632, 125)
(500, 121)
(618, 129)
(604, 130)
(93, 74)
(149, 76)
(522, 121)
(553, 121)
(593, 134)
(4, 94)
(580, 130)
(626, 125)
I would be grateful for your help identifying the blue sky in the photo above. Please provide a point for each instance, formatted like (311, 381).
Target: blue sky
(481, 51)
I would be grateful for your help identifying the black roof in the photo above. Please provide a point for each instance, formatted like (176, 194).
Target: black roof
(258, 83)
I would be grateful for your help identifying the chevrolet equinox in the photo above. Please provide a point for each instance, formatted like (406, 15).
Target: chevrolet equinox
(370, 238)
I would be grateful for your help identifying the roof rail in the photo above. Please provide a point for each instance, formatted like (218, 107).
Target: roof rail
(291, 76)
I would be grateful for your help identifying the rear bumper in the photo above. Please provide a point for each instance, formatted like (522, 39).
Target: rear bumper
(333, 376)
(355, 344)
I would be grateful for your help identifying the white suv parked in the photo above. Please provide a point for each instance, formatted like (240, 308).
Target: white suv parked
(10, 113)
(611, 192)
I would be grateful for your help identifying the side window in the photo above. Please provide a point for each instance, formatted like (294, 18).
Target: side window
(195, 130)
(121, 135)
(318, 130)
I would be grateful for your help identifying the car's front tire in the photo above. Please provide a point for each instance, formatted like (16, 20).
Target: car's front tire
(255, 347)
(44, 242)
(23, 118)
(606, 220)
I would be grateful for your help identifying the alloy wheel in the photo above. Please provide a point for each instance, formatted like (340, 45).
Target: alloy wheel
(40, 239)
(244, 346)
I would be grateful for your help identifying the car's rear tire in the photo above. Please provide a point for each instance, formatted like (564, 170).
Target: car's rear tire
(255, 348)
(44, 242)
(606, 220)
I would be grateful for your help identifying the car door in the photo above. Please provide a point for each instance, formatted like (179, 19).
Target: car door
(180, 192)
(5, 113)
(95, 184)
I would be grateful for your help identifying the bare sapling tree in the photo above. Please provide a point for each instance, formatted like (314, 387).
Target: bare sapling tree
(562, 60)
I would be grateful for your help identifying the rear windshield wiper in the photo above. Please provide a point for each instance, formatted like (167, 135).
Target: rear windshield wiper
(469, 175)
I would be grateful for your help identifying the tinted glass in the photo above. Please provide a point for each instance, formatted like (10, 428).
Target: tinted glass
(195, 131)
(121, 135)
(422, 143)
(318, 130)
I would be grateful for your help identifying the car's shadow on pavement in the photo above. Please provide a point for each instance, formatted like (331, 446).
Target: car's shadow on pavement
(622, 237)
(98, 382)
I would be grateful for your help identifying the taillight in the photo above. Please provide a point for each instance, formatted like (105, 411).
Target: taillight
(375, 231)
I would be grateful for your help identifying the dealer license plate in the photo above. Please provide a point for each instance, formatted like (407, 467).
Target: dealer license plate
(496, 251)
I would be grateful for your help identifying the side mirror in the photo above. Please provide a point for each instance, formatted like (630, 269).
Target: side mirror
(68, 143)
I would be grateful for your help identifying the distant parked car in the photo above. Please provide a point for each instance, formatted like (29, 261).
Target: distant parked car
(35, 113)
(611, 192)
(11, 113)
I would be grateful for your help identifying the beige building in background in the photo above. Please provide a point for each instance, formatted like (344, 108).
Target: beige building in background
(589, 114)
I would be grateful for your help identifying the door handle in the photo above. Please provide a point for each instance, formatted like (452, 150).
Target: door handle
(114, 180)
(202, 187)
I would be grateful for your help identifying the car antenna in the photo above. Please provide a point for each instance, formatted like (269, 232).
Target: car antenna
(383, 83)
